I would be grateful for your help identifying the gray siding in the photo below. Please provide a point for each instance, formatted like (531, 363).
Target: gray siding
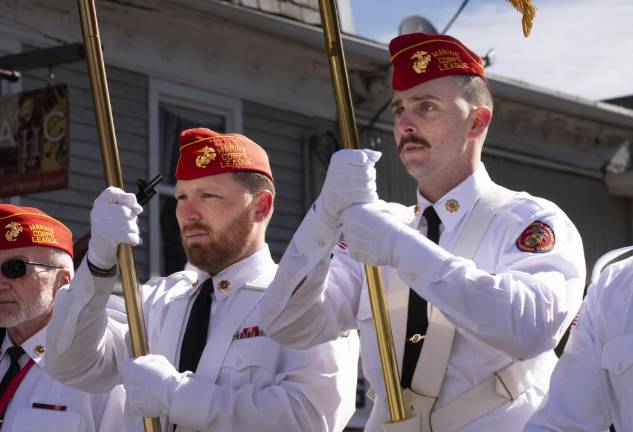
(282, 134)
(604, 221)
(128, 93)
(393, 181)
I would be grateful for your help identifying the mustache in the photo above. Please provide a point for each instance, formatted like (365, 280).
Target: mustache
(8, 298)
(194, 226)
(413, 139)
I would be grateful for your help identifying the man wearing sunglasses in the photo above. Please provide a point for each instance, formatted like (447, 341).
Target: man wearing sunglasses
(35, 260)
(212, 367)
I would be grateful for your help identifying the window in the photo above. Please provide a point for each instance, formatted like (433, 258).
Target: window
(174, 108)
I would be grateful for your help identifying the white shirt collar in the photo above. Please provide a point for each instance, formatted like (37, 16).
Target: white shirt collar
(459, 201)
(238, 274)
(34, 347)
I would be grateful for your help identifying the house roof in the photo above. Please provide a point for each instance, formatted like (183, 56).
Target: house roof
(305, 11)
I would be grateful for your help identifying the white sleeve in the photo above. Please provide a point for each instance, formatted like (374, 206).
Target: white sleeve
(577, 398)
(84, 344)
(314, 390)
(523, 309)
(313, 298)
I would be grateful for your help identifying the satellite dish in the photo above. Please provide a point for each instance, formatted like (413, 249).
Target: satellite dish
(415, 24)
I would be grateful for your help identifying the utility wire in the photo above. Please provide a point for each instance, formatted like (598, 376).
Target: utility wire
(459, 11)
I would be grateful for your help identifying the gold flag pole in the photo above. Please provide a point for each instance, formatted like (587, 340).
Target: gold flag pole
(349, 139)
(114, 177)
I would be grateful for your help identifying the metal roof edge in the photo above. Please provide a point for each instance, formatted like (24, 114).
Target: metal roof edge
(503, 87)
(538, 96)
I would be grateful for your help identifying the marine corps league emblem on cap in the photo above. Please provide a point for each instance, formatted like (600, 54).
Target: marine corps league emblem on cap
(421, 61)
(206, 156)
(14, 231)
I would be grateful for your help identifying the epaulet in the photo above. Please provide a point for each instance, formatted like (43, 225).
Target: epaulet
(255, 287)
(606, 259)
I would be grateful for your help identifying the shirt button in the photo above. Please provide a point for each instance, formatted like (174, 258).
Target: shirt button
(321, 243)
(239, 362)
(412, 277)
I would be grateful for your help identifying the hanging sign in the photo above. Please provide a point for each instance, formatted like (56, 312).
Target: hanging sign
(34, 141)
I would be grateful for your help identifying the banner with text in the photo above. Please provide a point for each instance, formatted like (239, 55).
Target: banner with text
(34, 144)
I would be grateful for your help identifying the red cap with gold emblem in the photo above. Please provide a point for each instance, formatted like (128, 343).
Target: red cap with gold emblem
(28, 226)
(204, 152)
(421, 57)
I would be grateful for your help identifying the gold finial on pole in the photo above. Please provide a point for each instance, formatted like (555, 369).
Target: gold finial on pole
(349, 140)
(114, 177)
(528, 10)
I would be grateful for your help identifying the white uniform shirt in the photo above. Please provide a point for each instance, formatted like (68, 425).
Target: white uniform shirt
(507, 304)
(242, 383)
(82, 412)
(592, 385)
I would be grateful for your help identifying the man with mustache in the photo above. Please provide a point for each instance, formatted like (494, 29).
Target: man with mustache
(481, 282)
(35, 261)
(212, 366)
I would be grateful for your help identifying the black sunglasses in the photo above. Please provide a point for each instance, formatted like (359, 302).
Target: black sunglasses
(15, 268)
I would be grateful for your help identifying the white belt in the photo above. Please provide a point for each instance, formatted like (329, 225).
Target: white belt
(502, 387)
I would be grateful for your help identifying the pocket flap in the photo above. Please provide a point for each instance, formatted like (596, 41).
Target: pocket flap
(34, 420)
(258, 351)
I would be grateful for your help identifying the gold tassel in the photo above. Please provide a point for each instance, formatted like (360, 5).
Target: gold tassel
(528, 10)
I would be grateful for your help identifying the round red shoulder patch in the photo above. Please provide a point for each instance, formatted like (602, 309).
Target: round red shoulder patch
(538, 237)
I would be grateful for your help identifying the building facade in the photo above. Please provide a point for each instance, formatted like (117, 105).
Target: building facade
(259, 67)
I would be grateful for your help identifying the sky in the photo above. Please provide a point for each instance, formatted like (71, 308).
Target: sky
(579, 47)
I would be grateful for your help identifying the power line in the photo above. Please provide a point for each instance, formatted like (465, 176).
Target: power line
(459, 11)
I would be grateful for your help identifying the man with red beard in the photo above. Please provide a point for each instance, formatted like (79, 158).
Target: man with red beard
(481, 282)
(212, 367)
(35, 261)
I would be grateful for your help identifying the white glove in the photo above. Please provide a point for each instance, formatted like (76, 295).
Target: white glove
(149, 382)
(113, 220)
(350, 179)
(375, 233)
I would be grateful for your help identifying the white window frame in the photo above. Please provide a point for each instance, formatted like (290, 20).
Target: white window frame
(6, 88)
(187, 97)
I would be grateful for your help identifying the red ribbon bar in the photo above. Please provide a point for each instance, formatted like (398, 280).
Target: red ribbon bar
(48, 406)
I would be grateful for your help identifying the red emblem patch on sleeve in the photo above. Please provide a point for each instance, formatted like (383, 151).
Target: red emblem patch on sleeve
(538, 237)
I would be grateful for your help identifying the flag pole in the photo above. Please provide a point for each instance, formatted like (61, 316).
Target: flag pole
(114, 177)
(349, 140)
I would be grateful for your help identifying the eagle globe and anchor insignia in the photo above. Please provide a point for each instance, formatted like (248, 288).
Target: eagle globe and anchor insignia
(14, 230)
(206, 155)
(421, 61)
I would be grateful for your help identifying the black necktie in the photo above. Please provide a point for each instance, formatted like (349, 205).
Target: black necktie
(14, 352)
(417, 320)
(195, 337)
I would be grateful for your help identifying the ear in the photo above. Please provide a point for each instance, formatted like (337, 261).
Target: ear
(262, 205)
(482, 115)
(62, 278)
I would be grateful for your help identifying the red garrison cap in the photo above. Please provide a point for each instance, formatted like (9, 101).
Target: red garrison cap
(28, 226)
(204, 152)
(421, 57)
